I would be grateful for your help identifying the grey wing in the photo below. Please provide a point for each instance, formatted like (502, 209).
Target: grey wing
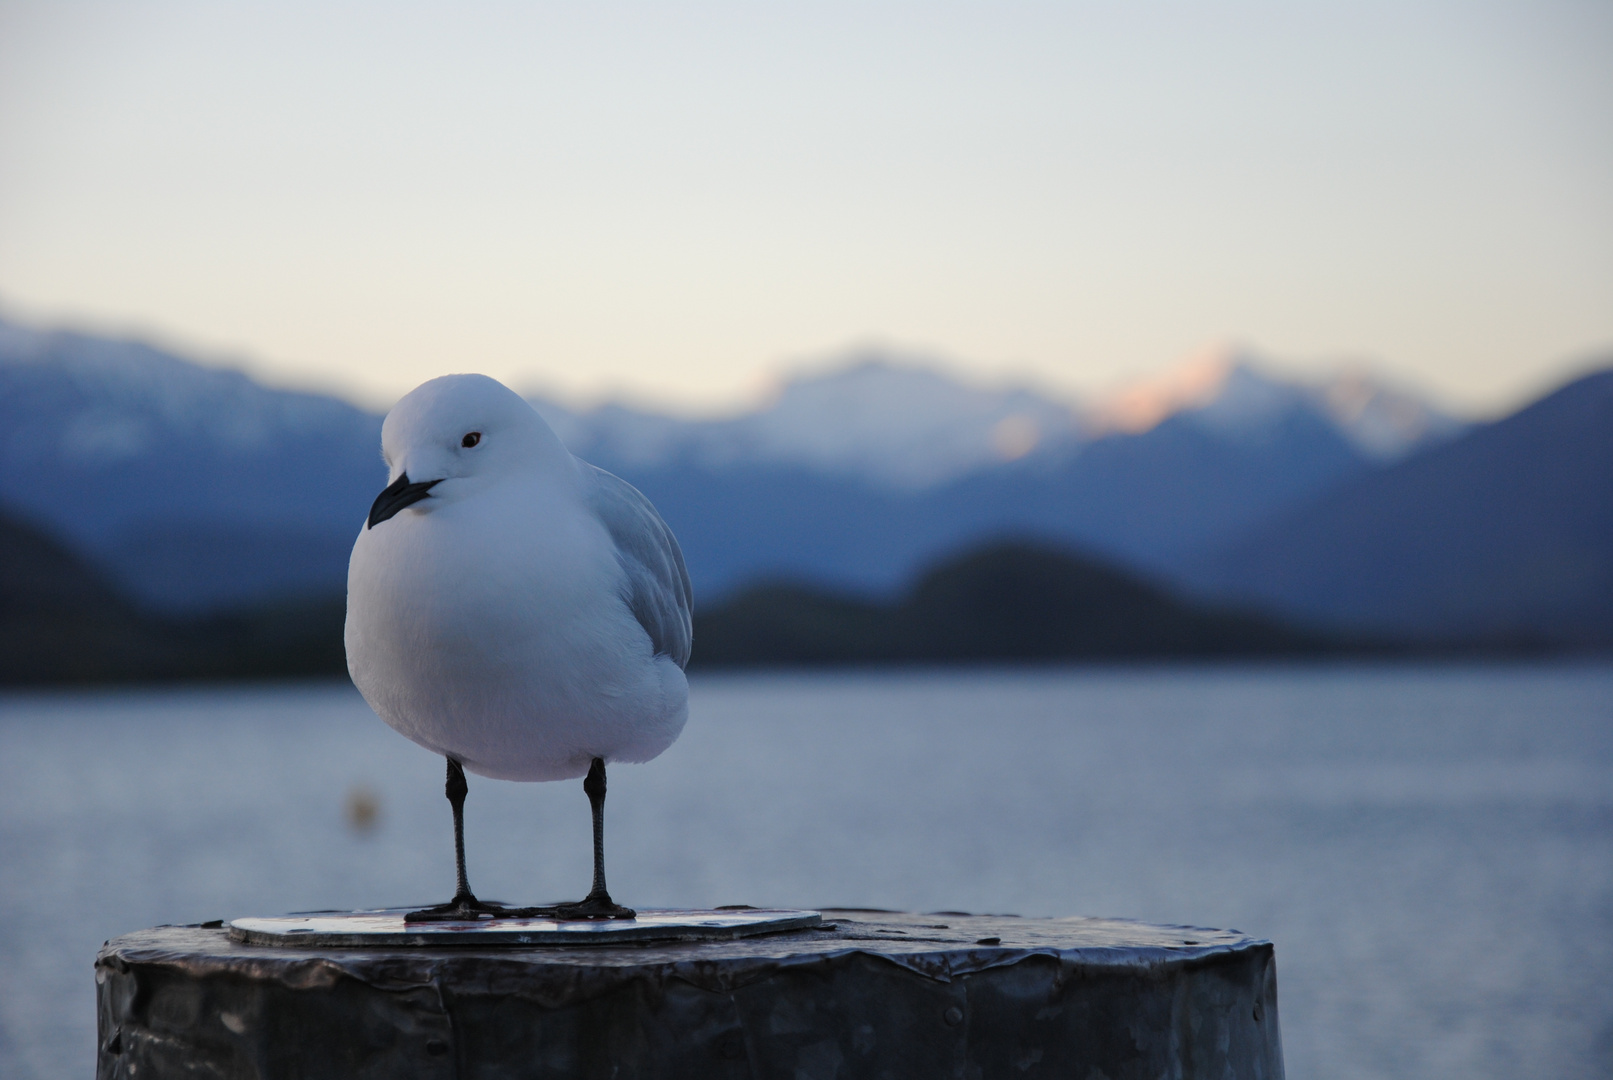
(657, 582)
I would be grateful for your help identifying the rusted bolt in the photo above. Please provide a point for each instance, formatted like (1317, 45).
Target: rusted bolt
(953, 1016)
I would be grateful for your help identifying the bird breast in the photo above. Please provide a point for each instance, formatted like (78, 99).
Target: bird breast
(495, 631)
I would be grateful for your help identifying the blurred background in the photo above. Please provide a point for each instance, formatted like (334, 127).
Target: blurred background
(1135, 460)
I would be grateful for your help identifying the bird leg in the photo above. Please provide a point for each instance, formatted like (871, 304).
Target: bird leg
(464, 905)
(597, 904)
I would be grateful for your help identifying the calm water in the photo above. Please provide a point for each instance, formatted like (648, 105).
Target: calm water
(1431, 849)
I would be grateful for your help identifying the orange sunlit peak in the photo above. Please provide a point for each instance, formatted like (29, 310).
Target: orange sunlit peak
(1141, 405)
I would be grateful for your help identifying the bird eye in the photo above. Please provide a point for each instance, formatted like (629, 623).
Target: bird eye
(471, 439)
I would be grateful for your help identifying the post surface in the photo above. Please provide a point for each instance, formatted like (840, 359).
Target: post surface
(878, 995)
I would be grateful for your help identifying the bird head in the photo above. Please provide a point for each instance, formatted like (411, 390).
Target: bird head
(456, 434)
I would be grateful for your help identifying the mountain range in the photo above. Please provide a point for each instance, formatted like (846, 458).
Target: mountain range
(901, 421)
(1506, 534)
(193, 489)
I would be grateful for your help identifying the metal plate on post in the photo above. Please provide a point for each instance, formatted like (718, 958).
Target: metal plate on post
(386, 927)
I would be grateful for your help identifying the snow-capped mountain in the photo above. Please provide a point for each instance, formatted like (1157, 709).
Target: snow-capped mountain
(1233, 393)
(901, 421)
(103, 401)
(896, 420)
(1504, 535)
(195, 487)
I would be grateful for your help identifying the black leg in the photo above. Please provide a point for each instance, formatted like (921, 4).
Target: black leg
(464, 905)
(593, 785)
(597, 904)
(456, 789)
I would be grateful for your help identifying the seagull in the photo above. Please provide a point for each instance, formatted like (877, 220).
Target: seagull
(515, 609)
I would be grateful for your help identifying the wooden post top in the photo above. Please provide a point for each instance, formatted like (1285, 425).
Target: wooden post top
(880, 993)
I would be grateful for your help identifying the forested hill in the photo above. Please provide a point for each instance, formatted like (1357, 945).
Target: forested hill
(61, 622)
(1004, 603)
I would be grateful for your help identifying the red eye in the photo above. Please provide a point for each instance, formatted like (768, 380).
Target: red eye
(471, 439)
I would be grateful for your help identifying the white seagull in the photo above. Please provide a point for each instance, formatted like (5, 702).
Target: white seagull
(515, 609)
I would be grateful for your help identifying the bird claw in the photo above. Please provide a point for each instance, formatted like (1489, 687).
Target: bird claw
(470, 909)
(593, 906)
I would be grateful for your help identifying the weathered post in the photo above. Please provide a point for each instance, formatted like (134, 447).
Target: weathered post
(863, 994)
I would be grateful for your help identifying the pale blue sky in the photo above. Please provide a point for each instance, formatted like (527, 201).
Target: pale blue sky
(674, 200)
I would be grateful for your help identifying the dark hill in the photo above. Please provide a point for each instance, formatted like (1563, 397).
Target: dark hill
(1504, 534)
(61, 622)
(1015, 602)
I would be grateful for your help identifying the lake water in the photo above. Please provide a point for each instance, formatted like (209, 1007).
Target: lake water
(1431, 849)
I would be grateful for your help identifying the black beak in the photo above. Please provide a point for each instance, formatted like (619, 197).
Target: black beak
(398, 494)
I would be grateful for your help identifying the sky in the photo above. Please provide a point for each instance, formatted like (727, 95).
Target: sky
(670, 203)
